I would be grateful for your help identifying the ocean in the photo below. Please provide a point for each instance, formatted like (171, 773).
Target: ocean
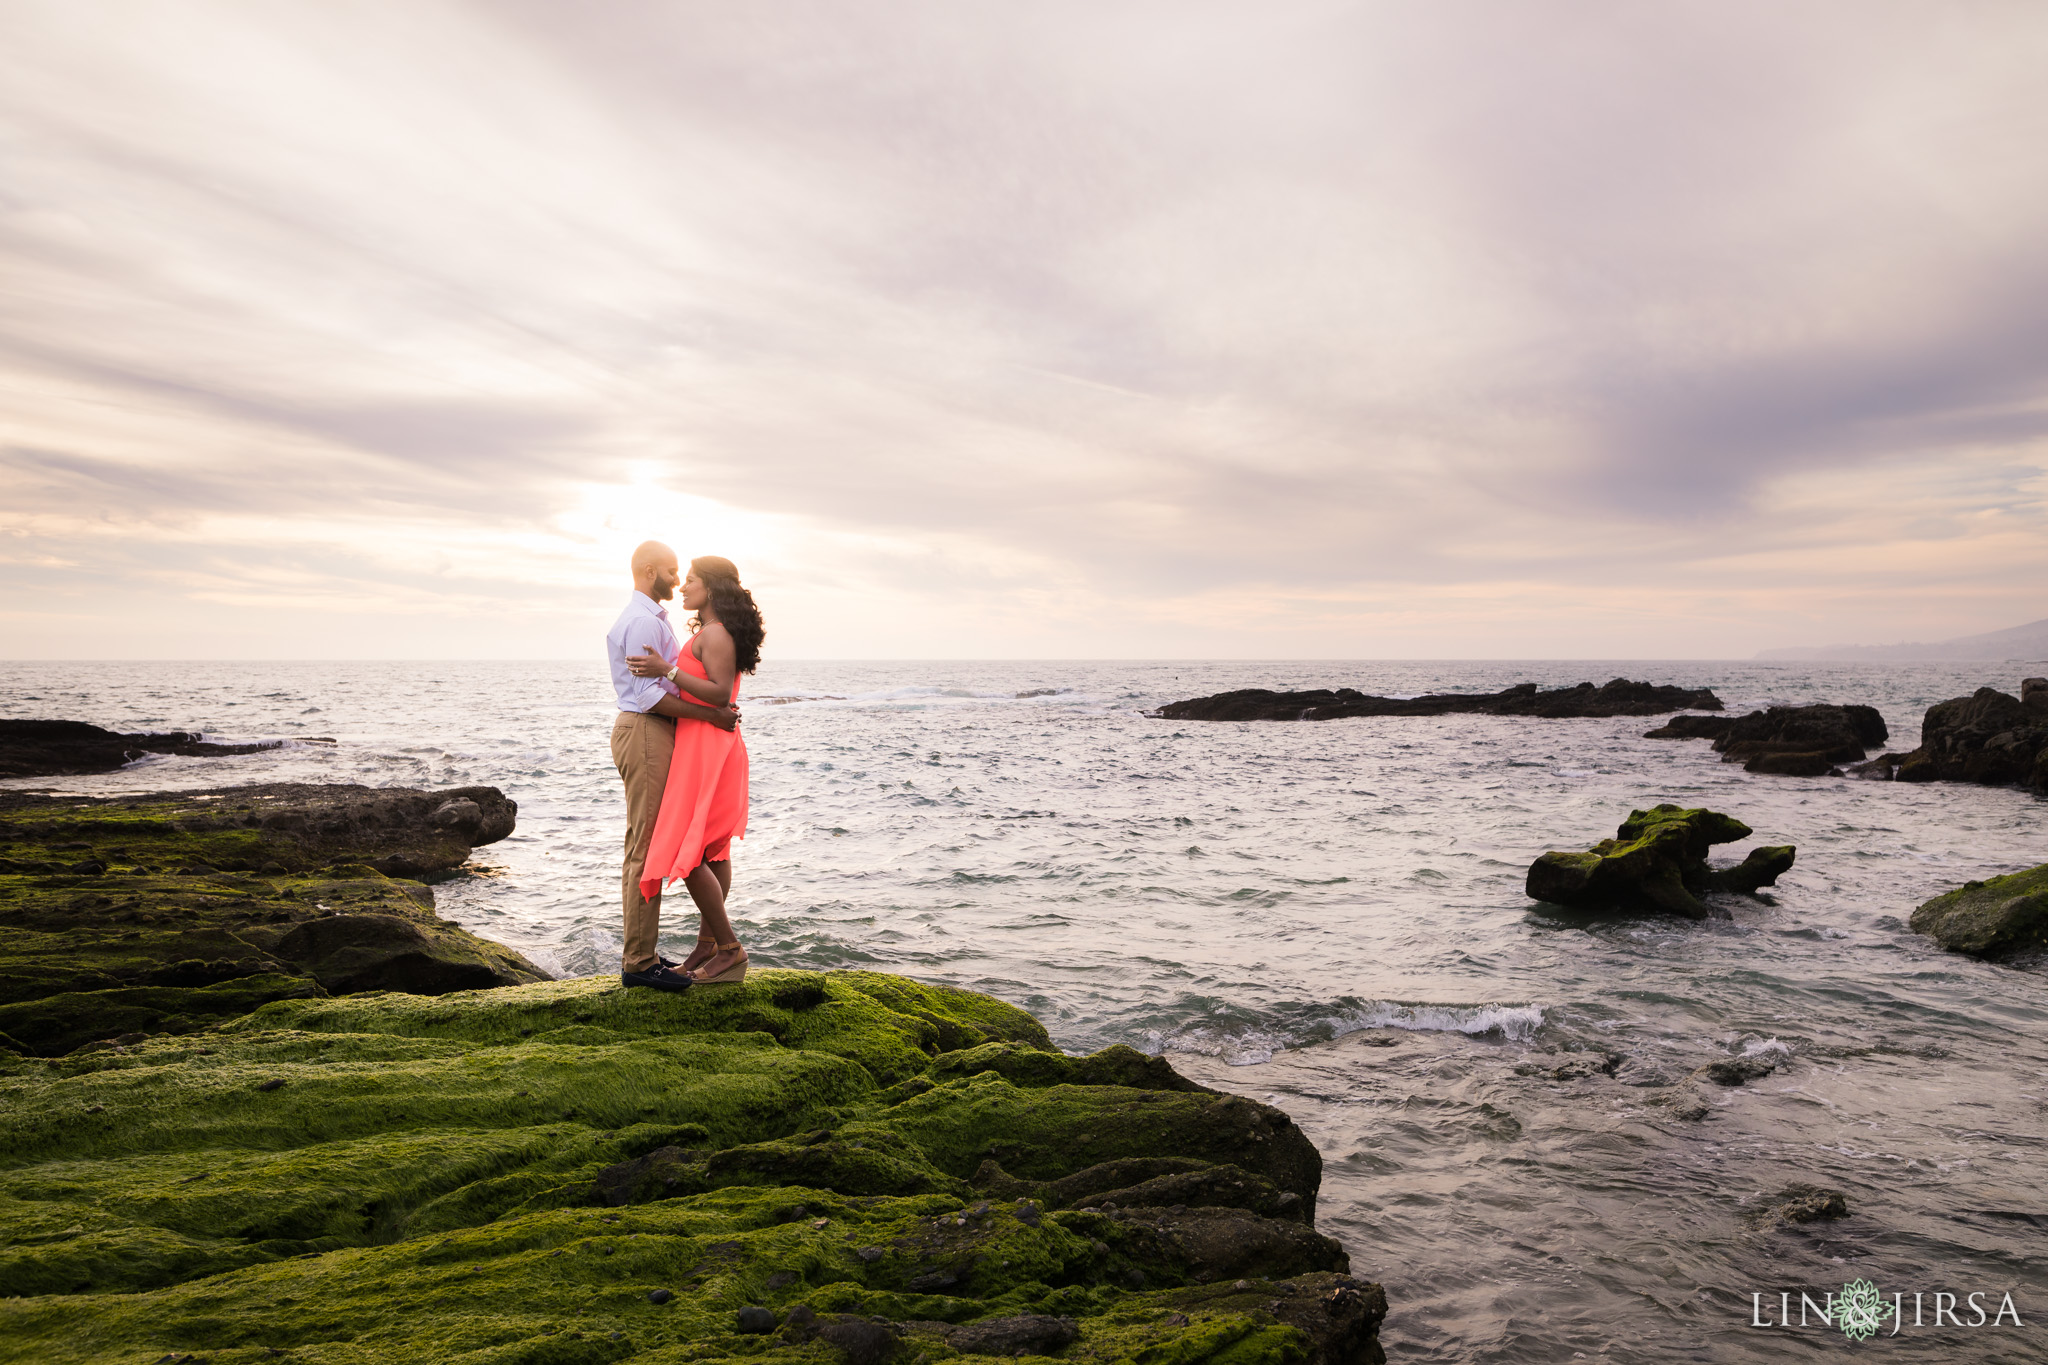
(1330, 917)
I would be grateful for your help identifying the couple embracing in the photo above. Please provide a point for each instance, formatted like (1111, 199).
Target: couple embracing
(677, 746)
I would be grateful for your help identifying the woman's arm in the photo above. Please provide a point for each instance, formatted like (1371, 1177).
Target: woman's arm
(712, 692)
(714, 649)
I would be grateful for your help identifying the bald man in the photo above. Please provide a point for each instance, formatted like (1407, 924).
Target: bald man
(643, 741)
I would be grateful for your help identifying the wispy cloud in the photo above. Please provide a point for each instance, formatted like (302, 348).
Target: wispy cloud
(1340, 329)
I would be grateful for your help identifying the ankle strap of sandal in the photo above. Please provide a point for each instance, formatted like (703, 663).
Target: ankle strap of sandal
(725, 947)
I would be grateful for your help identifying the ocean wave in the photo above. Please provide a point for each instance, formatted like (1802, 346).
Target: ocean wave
(1250, 1044)
(916, 695)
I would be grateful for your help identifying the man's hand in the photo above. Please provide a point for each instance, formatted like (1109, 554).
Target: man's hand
(648, 665)
(724, 717)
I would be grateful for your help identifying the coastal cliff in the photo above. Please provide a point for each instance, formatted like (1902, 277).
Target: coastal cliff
(843, 1166)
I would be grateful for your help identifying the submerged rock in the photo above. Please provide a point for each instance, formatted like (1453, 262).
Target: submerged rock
(481, 1173)
(148, 931)
(1989, 918)
(1619, 697)
(1738, 1070)
(1790, 741)
(1990, 737)
(65, 748)
(1657, 861)
(1798, 1204)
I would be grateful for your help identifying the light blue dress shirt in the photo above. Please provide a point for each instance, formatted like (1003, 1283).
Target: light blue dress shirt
(642, 626)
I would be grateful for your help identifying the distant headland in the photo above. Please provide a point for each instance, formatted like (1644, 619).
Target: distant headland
(2018, 642)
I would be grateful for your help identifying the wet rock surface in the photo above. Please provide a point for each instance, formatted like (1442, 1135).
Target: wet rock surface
(1990, 919)
(1790, 741)
(529, 1168)
(1656, 863)
(1619, 697)
(1990, 737)
(1800, 1204)
(64, 748)
(171, 913)
(1033, 1334)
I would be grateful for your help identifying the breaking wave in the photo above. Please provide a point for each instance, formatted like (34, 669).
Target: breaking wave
(1249, 1044)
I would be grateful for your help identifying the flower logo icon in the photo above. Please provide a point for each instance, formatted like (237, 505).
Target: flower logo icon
(1859, 1308)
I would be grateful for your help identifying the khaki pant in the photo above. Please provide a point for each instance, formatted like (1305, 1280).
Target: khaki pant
(642, 746)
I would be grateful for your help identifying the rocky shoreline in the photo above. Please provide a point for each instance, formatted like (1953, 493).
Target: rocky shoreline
(66, 748)
(255, 1107)
(1619, 697)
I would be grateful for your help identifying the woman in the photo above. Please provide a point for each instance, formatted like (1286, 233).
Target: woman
(704, 805)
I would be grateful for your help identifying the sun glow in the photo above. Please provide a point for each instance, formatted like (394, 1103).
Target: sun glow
(610, 519)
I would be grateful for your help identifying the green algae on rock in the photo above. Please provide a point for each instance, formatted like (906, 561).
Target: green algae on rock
(1657, 861)
(1993, 918)
(285, 826)
(513, 1174)
(164, 914)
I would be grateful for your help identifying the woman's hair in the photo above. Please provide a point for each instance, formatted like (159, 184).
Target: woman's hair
(734, 607)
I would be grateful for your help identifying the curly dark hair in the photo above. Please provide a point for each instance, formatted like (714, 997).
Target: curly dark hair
(734, 607)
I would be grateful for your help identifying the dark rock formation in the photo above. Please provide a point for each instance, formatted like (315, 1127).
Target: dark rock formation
(1798, 1204)
(1114, 1065)
(1144, 1181)
(292, 826)
(1209, 1244)
(1028, 1334)
(62, 748)
(1692, 727)
(1617, 698)
(1810, 1204)
(1990, 918)
(1657, 861)
(1838, 734)
(1738, 1070)
(1990, 737)
(1791, 741)
(141, 914)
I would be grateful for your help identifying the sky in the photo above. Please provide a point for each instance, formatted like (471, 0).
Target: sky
(1568, 329)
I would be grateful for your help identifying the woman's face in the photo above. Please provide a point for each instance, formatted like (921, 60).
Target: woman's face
(694, 594)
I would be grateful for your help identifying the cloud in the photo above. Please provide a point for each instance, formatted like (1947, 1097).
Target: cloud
(1428, 329)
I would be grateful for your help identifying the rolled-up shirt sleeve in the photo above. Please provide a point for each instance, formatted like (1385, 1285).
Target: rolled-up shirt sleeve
(643, 635)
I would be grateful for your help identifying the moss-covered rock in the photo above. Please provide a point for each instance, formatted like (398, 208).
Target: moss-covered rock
(250, 1106)
(513, 1174)
(123, 917)
(1992, 918)
(1656, 862)
(281, 826)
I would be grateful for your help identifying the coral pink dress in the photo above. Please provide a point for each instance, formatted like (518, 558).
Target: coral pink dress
(704, 805)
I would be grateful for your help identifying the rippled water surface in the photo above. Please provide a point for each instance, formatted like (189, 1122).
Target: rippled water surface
(1331, 916)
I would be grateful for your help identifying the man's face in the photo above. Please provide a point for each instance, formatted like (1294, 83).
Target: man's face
(666, 575)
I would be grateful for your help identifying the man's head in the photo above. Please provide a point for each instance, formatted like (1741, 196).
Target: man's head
(656, 570)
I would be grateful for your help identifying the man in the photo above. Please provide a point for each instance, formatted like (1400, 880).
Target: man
(643, 740)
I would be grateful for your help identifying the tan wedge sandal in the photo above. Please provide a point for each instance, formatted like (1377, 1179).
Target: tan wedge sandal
(731, 976)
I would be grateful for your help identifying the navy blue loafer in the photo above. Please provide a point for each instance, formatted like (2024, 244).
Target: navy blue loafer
(658, 978)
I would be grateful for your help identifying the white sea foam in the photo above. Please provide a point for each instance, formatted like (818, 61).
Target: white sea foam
(1251, 1046)
(1517, 1023)
(914, 696)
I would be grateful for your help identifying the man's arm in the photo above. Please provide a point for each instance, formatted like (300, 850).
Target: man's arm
(724, 717)
(644, 637)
